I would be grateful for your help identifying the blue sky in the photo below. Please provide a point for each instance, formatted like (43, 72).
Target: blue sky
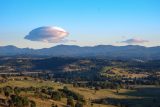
(89, 22)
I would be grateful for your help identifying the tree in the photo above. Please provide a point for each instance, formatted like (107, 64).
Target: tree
(6, 93)
(91, 104)
(56, 95)
(70, 101)
(65, 88)
(53, 105)
(17, 90)
(79, 104)
(32, 104)
(117, 88)
(18, 101)
(1, 90)
(25, 101)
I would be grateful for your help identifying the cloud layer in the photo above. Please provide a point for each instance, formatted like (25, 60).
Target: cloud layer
(48, 34)
(135, 41)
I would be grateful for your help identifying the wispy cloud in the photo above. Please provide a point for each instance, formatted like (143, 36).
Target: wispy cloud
(135, 41)
(48, 34)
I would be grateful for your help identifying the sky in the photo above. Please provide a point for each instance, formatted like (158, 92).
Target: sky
(79, 22)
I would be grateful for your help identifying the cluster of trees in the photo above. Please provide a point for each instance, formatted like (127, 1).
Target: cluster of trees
(14, 99)
(91, 73)
(18, 101)
(69, 93)
(70, 103)
(64, 93)
(113, 82)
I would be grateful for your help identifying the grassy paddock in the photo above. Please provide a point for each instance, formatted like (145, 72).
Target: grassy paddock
(142, 96)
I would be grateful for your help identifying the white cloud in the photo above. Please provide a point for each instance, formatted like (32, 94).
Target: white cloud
(48, 34)
(135, 41)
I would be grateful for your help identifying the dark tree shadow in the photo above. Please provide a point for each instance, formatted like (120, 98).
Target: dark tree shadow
(142, 97)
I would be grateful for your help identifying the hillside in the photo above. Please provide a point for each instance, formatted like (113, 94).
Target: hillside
(101, 51)
(40, 92)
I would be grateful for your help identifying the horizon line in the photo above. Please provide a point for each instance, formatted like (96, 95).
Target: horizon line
(78, 46)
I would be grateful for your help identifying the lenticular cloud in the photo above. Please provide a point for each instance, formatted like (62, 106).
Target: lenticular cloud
(47, 34)
(135, 41)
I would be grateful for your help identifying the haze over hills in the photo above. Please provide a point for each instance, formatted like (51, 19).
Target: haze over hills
(105, 51)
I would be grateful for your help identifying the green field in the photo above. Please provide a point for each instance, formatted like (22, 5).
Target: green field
(142, 96)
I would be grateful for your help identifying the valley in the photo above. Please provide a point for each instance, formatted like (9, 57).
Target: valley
(86, 82)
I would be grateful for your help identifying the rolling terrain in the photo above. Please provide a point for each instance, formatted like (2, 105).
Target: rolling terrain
(78, 82)
(100, 98)
(101, 51)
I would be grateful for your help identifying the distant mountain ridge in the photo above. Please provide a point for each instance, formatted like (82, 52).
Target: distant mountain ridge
(105, 51)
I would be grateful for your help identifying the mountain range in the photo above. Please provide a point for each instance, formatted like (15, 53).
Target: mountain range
(100, 51)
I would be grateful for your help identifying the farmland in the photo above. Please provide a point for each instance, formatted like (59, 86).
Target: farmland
(97, 98)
